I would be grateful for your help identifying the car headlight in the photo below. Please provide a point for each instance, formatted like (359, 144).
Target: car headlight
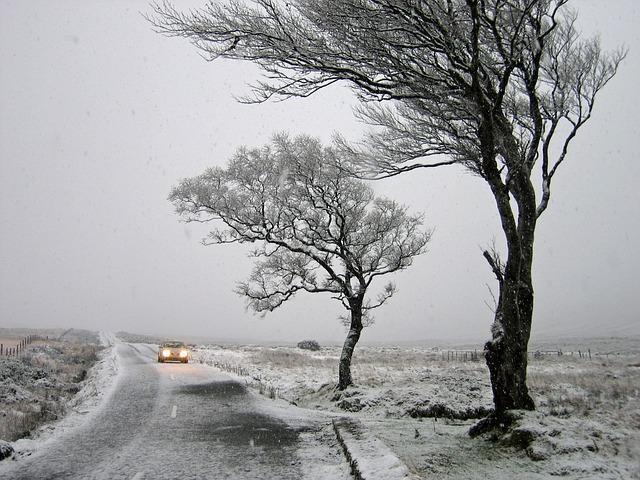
(166, 353)
(183, 353)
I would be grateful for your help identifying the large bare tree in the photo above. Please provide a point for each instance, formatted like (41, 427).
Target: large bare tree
(499, 86)
(319, 231)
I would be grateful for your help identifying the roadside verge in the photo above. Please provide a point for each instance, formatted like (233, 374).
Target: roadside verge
(98, 384)
(370, 459)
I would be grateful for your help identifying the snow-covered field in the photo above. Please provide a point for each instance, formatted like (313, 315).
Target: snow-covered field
(587, 425)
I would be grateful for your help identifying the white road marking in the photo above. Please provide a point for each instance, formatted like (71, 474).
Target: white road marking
(174, 411)
(138, 476)
(173, 377)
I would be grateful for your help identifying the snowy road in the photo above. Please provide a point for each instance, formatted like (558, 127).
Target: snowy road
(188, 422)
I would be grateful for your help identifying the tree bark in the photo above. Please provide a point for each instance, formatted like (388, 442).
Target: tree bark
(506, 352)
(344, 367)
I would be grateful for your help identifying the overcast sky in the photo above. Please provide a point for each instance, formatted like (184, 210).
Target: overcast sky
(100, 117)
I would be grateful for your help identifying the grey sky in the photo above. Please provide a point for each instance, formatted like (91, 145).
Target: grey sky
(100, 117)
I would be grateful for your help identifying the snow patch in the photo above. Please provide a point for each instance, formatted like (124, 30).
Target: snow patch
(370, 459)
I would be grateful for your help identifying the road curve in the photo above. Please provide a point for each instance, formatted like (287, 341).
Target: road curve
(188, 422)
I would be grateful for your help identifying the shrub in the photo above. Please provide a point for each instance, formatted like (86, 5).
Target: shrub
(309, 345)
(35, 387)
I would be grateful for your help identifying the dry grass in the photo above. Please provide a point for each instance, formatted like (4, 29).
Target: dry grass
(36, 386)
(307, 377)
(24, 417)
(371, 366)
(561, 385)
(363, 357)
(581, 387)
(282, 358)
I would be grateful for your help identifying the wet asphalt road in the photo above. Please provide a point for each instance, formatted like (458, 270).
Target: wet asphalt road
(176, 421)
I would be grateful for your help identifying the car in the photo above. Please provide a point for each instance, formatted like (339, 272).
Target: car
(173, 352)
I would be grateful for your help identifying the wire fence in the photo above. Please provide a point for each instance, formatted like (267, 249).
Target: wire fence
(477, 355)
(17, 349)
(461, 355)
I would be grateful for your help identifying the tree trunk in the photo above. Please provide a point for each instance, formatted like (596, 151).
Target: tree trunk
(506, 352)
(344, 368)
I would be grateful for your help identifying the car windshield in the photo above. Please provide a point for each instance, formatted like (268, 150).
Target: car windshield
(173, 344)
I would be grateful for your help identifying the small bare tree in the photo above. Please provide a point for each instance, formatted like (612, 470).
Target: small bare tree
(499, 86)
(319, 231)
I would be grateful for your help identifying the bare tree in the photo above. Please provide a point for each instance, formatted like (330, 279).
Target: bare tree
(319, 231)
(498, 86)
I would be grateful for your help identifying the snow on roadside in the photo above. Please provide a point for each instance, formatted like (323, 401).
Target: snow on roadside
(587, 425)
(100, 381)
(96, 389)
(389, 381)
(370, 458)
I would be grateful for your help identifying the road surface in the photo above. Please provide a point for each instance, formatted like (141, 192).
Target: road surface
(185, 422)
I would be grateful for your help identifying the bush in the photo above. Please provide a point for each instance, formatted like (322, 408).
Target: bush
(35, 387)
(309, 345)
(6, 450)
